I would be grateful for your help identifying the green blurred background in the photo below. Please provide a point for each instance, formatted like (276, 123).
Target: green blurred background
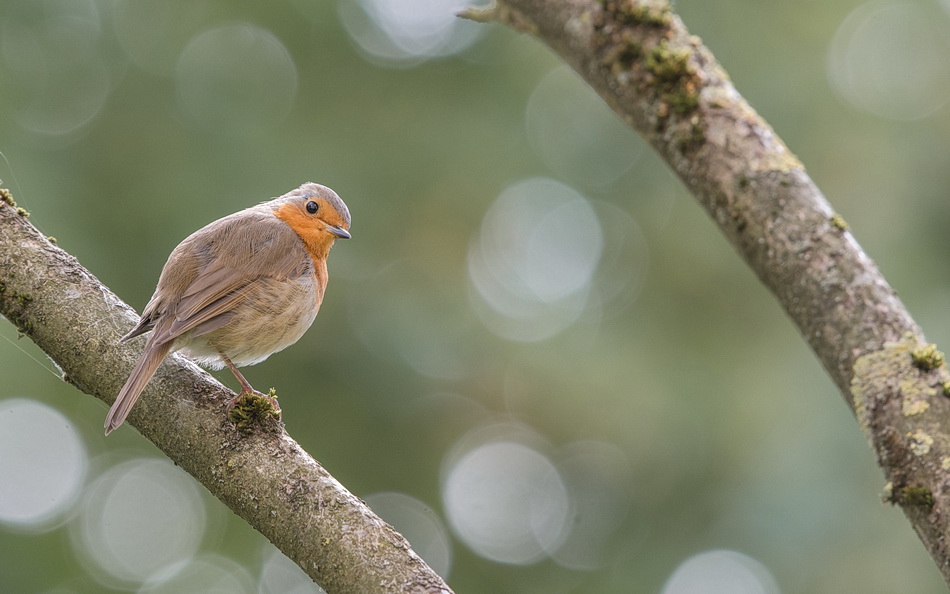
(536, 357)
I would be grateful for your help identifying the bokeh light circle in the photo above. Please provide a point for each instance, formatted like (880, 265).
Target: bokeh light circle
(236, 78)
(53, 66)
(43, 465)
(890, 59)
(721, 572)
(624, 263)
(407, 32)
(533, 261)
(280, 575)
(575, 133)
(421, 330)
(139, 518)
(597, 476)
(208, 574)
(505, 499)
(419, 524)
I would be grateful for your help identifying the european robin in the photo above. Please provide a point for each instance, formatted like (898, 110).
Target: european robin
(239, 289)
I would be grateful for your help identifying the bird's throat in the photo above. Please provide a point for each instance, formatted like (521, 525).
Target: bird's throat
(315, 238)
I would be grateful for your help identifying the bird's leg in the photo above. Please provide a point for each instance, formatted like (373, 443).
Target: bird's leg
(246, 387)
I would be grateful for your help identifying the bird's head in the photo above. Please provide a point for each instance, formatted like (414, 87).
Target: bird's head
(316, 214)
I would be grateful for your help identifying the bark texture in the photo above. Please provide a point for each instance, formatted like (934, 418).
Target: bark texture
(638, 55)
(264, 477)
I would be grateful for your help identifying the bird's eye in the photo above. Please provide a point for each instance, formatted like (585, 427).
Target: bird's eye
(312, 207)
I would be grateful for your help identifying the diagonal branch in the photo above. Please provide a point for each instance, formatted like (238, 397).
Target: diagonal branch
(265, 478)
(665, 84)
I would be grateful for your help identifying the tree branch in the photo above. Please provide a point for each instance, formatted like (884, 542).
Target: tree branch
(665, 84)
(266, 478)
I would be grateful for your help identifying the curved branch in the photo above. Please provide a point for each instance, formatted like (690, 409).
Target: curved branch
(665, 84)
(266, 478)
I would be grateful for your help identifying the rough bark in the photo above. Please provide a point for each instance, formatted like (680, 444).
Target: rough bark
(638, 55)
(264, 477)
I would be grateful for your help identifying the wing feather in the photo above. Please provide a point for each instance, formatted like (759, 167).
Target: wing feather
(214, 269)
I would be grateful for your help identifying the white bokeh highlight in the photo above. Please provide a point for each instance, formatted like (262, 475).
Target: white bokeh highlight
(721, 572)
(43, 465)
(236, 78)
(141, 519)
(405, 33)
(534, 258)
(504, 498)
(420, 525)
(889, 58)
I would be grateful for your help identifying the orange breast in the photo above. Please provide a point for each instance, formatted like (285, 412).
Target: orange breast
(317, 241)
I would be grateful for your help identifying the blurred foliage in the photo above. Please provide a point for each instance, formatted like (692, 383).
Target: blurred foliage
(731, 435)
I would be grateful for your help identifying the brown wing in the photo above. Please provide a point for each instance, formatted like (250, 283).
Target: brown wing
(210, 272)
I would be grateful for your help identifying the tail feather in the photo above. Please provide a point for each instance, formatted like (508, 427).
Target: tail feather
(144, 370)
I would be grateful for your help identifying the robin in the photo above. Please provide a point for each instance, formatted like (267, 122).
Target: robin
(239, 289)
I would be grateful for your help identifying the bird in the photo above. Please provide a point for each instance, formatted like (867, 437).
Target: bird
(239, 289)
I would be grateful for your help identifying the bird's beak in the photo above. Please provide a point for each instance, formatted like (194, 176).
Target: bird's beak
(339, 231)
